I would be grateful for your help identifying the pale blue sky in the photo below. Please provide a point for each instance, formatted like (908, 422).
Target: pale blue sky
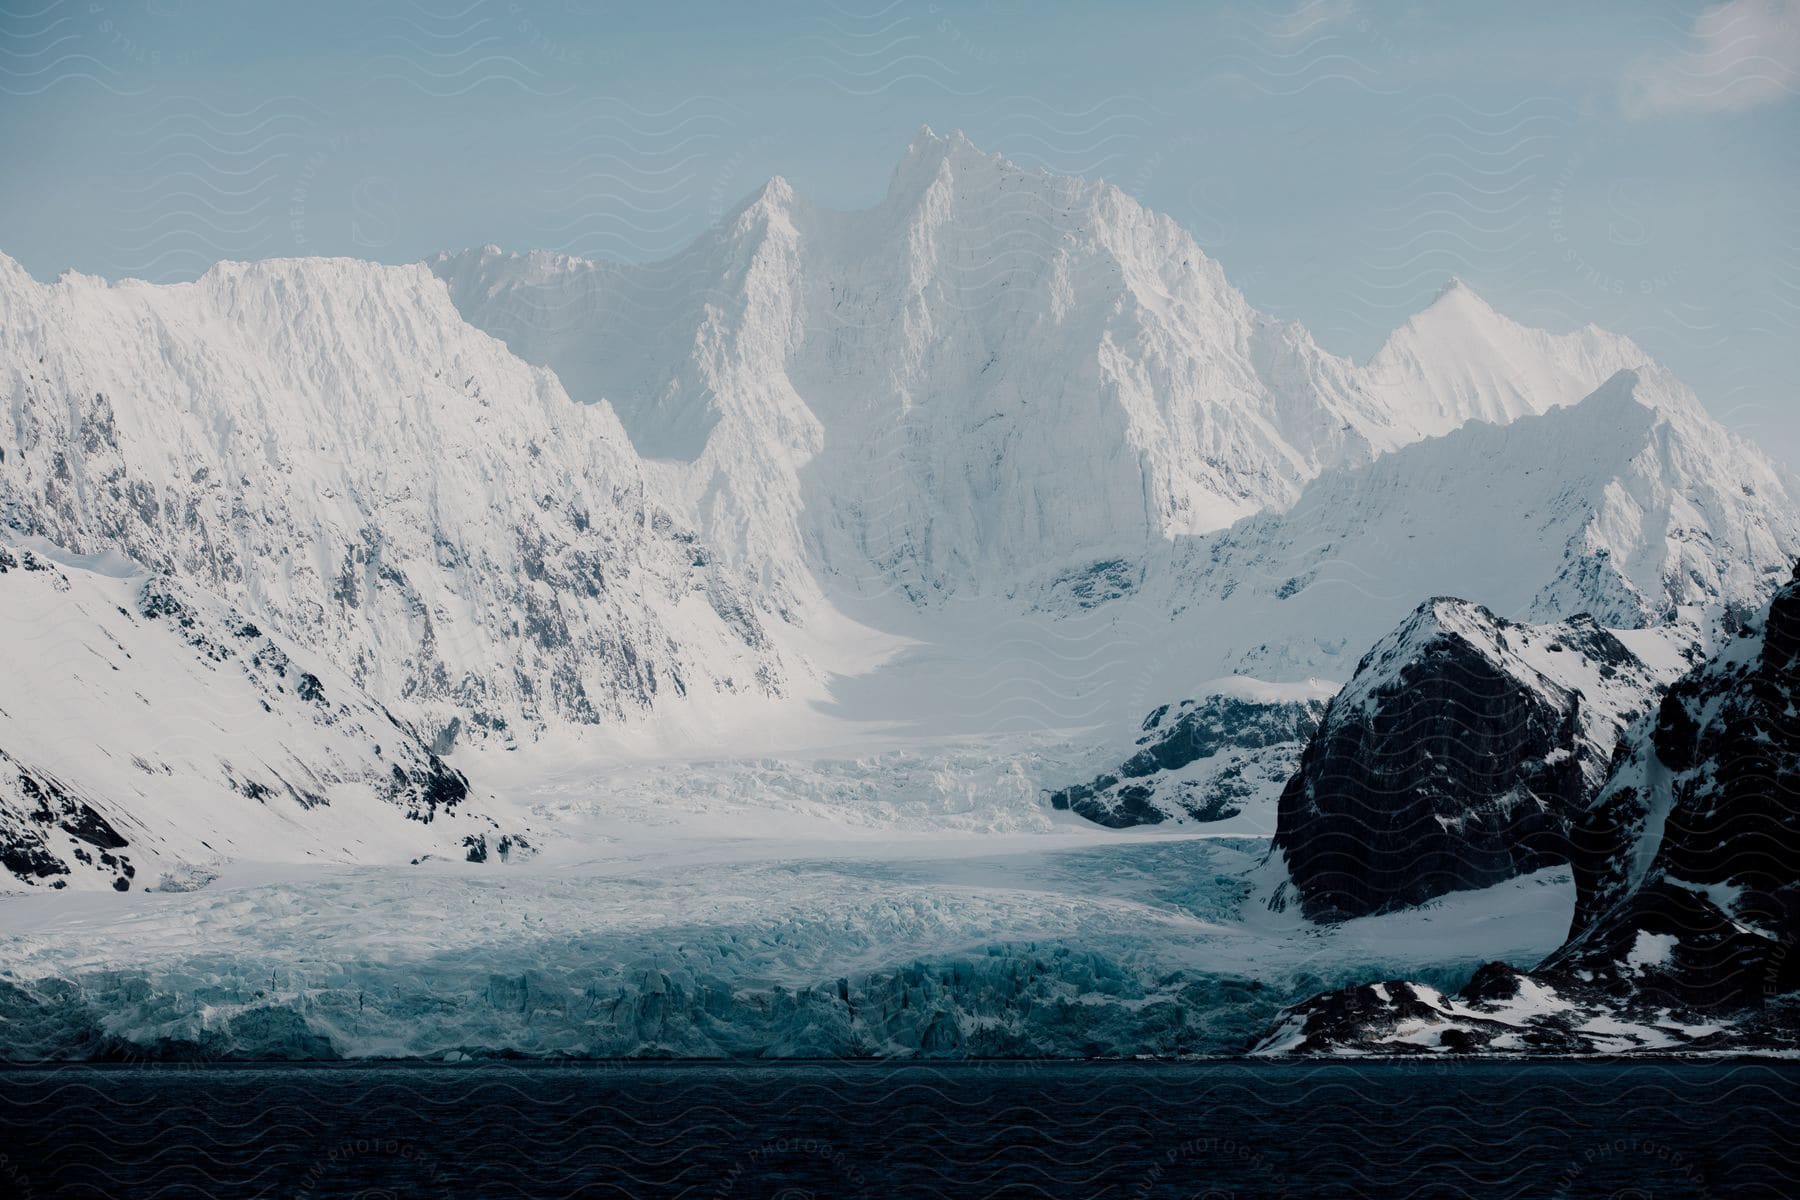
(1630, 163)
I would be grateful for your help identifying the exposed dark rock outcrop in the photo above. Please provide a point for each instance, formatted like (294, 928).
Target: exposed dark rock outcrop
(48, 832)
(1460, 755)
(1688, 892)
(1695, 843)
(1200, 760)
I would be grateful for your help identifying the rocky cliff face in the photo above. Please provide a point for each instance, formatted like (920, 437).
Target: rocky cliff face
(149, 731)
(1691, 849)
(1460, 754)
(326, 445)
(1688, 906)
(1204, 760)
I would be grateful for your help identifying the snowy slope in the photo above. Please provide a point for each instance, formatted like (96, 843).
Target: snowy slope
(1459, 360)
(149, 732)
(992, 370)
(1630, 505)
(328, 446)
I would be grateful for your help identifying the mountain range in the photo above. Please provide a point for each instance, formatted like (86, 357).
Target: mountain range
(305, 557)
(673, 486)
(997, 376)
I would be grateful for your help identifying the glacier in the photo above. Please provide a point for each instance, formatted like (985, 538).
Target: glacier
(880, 947)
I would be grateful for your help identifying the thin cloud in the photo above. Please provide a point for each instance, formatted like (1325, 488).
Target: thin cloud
(1745, 54)
(1314, 17)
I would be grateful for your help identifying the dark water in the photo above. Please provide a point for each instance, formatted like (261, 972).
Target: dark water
(1406, 1132)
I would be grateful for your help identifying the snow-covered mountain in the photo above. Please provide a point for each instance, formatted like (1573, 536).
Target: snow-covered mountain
(992, 372)
(1461, 754)
(326, 445)
(672, 482)
(1630, 505)
(1459, 360)
(1685, 919)
(149, 732)
(999, 384)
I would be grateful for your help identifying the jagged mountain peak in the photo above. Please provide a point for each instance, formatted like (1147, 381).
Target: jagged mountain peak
(1459, 358)
(12, 271)
(1456, 292)
(773, 205)
(896, 399)
(927, 139)
(930, 151)
(1455, 303)
(1458, 312)
(1631, 505)
(1450, 620)
(1434, 621)
(947, 199)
